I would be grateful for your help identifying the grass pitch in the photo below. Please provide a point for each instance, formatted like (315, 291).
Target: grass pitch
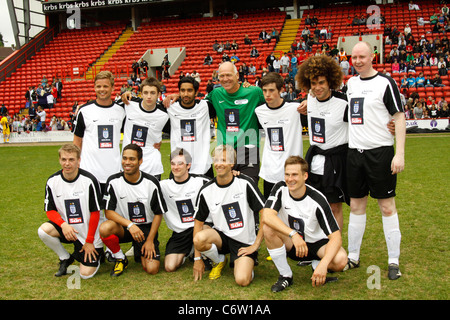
(27, 265)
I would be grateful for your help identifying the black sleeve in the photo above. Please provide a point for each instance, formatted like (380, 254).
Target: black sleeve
(345, 118)
(80, 127)
(110, 198)
(274, 200)
(254, 197)
(392, 98)
(212, 111)
(158, 203)
(49, 203)
(202, 210)
(94, 199)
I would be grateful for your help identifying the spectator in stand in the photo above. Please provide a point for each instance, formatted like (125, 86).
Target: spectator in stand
(59, 87)
(196, 76)
(413, 6)
(345, 65)
(3, 110)
(433, 60)
(418, 111)
(262, 35)
(50, 100)
(434, 112)
(54, 123)
(407, 29)
(437, 81)
(342, 54)
(411, 81)
(144, 67)
(395, 67)
(404, 82)
(420, 80)
(42, 115)
(251, 69)
(208, 60)
(254, 52)
(247, 40)
(410, 67)
(284, 62)
(216, 46)
(306, 34)
(276, 65)
(275, 35)
(444, 112)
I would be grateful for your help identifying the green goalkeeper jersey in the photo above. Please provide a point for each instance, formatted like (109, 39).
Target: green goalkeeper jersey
(237, 123)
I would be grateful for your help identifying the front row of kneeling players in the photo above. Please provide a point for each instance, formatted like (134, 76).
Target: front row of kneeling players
(209, 218)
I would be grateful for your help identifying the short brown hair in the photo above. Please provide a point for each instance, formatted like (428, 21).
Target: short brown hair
(317, 66)
(70, 148)
(152, 82)
(297, 160)
(105, 75)
(273, 77)
(181, 152)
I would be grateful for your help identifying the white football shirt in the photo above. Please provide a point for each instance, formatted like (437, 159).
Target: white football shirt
(74, 201)
(310, 215)
(372, 103)
(190, 130)
(144, 128)
(233, 208)
(137, 202)
(180, 199)
(100, 129)
(327, 125)
(283, 129)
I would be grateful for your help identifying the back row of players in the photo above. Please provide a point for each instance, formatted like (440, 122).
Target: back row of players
(351, 155)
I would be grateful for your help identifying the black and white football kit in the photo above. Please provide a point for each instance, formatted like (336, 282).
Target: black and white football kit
(100, 127)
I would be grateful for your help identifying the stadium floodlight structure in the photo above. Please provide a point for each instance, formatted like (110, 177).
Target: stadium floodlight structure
(23, 18)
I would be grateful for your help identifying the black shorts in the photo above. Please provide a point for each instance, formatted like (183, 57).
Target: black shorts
(333, 194)
(137, 246)
(79, 256)
(181, 242)
(312, 251)
(232, 247)
(369, 172)
(247, 162)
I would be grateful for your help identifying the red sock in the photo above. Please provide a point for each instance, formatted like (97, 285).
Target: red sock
(112, 242)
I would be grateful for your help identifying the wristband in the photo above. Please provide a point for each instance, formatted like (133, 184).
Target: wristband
(197, 258)
(130, 225)
(293, 232)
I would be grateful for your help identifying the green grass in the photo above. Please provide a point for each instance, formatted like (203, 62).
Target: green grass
(27, 266)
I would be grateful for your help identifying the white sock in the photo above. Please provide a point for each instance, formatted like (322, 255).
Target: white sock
(54, 243)
(93, 274)
(314, 264)
(278, 256)
(213, 254)
(356, 228)
(391, 228)
(119, 254)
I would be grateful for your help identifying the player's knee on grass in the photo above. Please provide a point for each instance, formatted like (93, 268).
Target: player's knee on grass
(200, 241)
(150, 267)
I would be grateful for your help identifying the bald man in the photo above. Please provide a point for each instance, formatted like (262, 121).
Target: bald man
(237, 123)
(372, 161)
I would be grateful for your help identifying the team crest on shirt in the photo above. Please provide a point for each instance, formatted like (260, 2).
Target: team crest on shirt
(185, 210)
(233, 215)
(105, 136)
(73, 211)
(136, 212)
(357, 111)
